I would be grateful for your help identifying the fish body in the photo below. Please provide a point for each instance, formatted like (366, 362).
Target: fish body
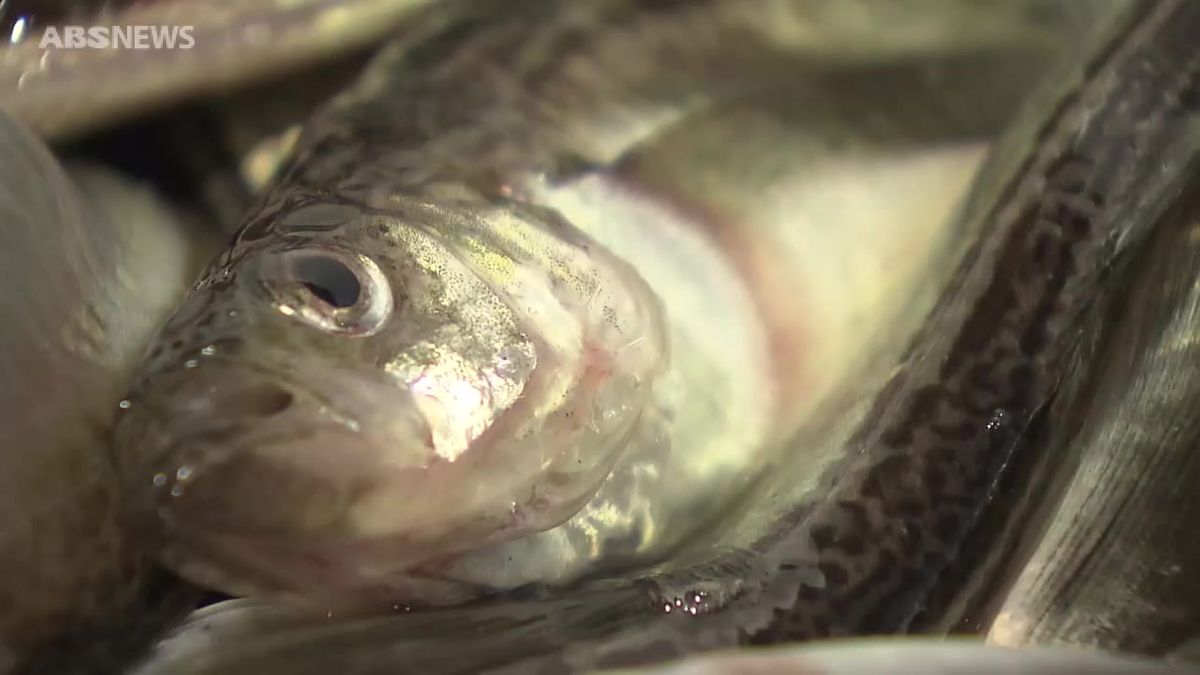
(235, 43)
(458, 151)
(63, 91)
(85, 291)
(956, 657)
(718, 396)
(1114, 565)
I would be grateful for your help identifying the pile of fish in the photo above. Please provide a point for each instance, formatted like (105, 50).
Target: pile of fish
(559, 337)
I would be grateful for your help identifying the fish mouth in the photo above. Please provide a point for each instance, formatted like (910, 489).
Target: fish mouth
(237, 467)
(313, 483)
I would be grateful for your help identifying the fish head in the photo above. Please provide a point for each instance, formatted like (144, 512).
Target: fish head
(336, 407)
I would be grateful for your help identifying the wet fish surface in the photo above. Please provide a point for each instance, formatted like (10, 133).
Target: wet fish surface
(630, 312)
(1117, 568)
(867, 657)
(65, 92)
(423, 280)
(84, 290)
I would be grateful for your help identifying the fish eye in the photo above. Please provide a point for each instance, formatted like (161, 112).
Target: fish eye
(333, 290)
(330, 280)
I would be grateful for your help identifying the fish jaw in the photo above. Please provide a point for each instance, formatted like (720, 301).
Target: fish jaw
(300, 463)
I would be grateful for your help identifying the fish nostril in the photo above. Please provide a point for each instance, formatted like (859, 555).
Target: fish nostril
(260, 400)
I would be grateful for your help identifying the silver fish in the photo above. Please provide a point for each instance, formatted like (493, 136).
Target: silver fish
(84, 290)
(861, 162)
(899, 657)
(518, 341)
(65, 92)
(424, 191)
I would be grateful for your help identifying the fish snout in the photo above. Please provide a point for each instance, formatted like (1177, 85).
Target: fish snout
(242, 481)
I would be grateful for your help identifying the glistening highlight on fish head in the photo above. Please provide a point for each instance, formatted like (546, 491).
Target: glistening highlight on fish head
(347, 406)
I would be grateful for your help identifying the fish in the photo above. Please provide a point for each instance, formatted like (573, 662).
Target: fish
(241, 43)
(92, 263)
(290, 437)
(468, 364)
(862, 657)
(1124, 430)
(215, 47)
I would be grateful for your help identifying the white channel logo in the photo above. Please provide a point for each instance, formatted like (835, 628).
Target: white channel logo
(118, 37)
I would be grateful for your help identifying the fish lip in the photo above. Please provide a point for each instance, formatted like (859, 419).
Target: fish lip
(222, 540)
(164, 438)
(182, 396)
(188, 471)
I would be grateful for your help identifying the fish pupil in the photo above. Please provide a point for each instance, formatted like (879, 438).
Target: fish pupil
(329, 280)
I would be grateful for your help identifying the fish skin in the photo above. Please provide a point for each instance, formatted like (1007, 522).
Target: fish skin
(267, 638)
(1133, 218)
(1111, 120)
(236, 42)
(718, 191)
(85, 292)
(256, 632)
(417, 164)
(897, 441)
(47, 582)
(56, 93)
(1111, 561)
(511, 333)
(953, 414)
(910, 655)
(266, 643)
